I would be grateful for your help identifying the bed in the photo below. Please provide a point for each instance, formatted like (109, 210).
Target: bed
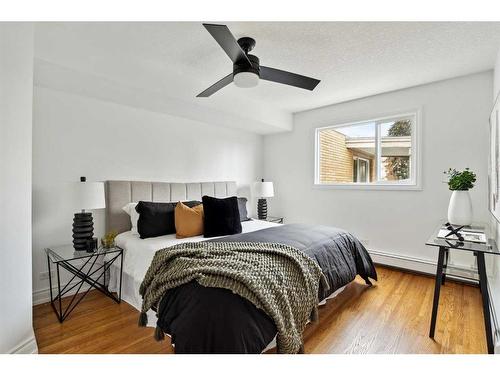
(215, 320)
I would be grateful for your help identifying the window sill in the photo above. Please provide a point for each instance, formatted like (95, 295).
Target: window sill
(359, 186)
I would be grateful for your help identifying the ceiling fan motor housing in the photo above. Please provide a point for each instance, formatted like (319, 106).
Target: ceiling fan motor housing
(242, 66)
(246, 43)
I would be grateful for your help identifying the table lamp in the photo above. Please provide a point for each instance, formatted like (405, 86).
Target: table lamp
(88, 196)
(263, 189)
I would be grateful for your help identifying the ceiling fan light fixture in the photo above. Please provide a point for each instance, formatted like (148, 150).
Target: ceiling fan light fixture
(246, 79)
(247, 70)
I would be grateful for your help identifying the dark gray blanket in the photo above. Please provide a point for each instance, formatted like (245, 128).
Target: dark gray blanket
(213, 320)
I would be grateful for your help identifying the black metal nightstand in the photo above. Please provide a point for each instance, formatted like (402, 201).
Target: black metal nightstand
(90, 268)
(274, 219)
(443, 269)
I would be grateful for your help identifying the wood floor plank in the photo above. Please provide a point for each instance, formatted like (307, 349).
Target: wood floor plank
(391, 317)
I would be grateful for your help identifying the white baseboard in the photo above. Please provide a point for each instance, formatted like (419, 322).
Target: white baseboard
(403, 261)
(28, 347)
(43, 295)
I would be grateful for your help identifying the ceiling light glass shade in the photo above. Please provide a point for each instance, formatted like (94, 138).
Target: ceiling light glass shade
(246, 79)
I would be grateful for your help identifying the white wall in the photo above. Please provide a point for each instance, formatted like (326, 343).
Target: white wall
(16, 94)
(395, 224)
(76, 136)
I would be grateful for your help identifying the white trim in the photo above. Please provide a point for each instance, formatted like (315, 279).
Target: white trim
(43, 295)
(368, 186)
(27, 347)
(403, 261)
(399, 115)
(416, 141)
(378, 154)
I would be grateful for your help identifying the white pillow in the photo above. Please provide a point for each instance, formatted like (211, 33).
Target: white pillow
(129, 208)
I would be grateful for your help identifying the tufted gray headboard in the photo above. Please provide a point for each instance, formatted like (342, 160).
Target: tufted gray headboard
(119, 193)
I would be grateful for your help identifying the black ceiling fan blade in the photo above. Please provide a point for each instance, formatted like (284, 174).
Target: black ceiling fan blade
(287, 78)
(216, 86)
(228, 43)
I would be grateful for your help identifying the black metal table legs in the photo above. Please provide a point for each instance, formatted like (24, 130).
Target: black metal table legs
(440, 279)
(445, 264)
(87, 274)
(437, 290)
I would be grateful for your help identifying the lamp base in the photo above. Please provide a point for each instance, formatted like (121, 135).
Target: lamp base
(83, 230)
(262, 209)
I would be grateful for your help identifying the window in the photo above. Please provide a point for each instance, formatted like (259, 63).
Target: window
(375, 153)
(360, 171)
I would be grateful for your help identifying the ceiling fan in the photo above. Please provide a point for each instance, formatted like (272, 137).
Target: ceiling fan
(246, 68)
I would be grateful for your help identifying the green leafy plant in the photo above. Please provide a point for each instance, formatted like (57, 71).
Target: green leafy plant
(108, 241)
(398, 167)
(460, 180)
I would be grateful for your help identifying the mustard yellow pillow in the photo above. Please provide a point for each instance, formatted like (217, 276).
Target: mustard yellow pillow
(188, 221)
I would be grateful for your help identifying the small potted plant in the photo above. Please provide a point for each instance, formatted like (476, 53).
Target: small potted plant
(460, 207)
(108, 241)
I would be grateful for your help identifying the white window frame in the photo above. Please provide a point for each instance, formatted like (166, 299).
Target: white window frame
(414, 183)
(368, 163)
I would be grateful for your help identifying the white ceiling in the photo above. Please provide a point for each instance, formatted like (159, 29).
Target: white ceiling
(352, 60)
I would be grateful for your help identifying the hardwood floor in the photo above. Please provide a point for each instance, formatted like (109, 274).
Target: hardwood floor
(391, 317)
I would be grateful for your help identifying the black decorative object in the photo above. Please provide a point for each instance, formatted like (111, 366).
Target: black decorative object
(262, 208)
(454, 231)
(91, 245)
(246, 68)
(83, 230)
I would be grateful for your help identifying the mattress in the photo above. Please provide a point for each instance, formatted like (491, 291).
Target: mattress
(138, 254)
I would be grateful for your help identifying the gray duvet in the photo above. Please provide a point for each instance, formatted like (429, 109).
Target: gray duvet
(212, 320)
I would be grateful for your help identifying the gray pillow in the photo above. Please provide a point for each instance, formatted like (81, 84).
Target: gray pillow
(242, 207)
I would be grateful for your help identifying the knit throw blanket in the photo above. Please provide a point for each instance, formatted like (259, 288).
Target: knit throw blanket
(280, 280)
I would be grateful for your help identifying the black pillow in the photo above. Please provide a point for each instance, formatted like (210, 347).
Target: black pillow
(242, 207)
(157, 218)
(222, 216)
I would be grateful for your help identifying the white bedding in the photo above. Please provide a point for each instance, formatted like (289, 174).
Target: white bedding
(138, 254)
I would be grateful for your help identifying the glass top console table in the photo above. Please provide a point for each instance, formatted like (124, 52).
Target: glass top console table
(445, 245)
